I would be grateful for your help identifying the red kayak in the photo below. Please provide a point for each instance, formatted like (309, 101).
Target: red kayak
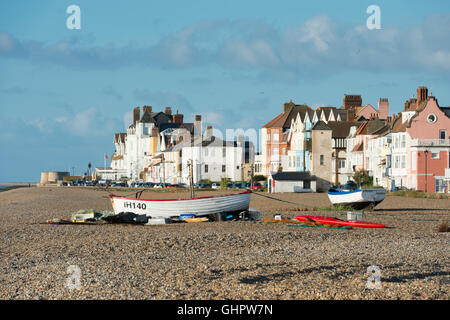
(331, 220)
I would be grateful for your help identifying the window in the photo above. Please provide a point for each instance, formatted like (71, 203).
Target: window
(435, 155)
(275, 154)
(224, 168)
(403, 162)
(432, 118)
(442, 134)
(298, 161)
(322, 160)
(206, 168)
(224, 152)
(206, 151)
(275, 137)
(341, 164)
(440, 185)
(403, 141)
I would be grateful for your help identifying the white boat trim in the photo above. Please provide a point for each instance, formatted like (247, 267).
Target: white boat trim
(201, 206)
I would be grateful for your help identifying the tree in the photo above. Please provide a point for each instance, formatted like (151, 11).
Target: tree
(259, 177)
(89, 167)
(362, 176)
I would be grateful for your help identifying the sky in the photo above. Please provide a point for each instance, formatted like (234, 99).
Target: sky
(65, 92)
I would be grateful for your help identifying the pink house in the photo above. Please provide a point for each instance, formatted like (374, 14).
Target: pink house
(428, 150)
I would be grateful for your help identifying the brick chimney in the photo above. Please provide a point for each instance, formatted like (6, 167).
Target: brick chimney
(136, 114)
(168, 111)
(383, 108)
(422, 94)
(149, 108)
(351, 101)
(288, 106)
(177, 118)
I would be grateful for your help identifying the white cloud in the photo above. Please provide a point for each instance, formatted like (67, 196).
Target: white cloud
(318, 45)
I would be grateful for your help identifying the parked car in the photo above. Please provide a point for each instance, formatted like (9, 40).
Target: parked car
(256, 186)
(158, 186)
(119, 184)
(215, 186)
(245, 185)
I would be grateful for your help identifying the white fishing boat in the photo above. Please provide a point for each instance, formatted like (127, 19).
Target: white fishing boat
(350, 195)
(170, 208)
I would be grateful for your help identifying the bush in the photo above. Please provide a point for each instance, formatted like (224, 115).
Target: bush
(224, 183)
(362, 176)
(259, 177)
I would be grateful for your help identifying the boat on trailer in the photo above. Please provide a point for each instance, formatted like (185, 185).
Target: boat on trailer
(350, 195)
(173, 208)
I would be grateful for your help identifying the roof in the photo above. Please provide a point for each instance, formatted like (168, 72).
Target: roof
(320, 125)
(358, 147)
(147, 117)
(341, 129)
(446, 110)
(205, 142)
(188, 126)
(343, 113)
(283, 120)
(362, 129)
(398, 126)
(120, 137)
(293, 176)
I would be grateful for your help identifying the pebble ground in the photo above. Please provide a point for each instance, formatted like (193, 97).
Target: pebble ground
(219, 260)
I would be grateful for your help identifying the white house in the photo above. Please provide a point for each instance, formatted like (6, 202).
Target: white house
(213, 159)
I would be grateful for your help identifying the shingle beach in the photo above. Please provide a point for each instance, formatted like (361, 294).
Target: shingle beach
(219, 260)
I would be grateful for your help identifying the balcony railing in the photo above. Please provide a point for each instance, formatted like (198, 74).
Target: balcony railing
(430, 143)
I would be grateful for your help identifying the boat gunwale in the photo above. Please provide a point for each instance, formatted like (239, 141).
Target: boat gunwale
(354, 191)
(198, 198)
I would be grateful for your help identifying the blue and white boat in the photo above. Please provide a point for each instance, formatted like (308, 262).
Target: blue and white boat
(350, 195)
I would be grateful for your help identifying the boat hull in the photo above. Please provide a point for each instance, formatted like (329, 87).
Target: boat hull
(175, 207)
(334, 221)
(358, 199)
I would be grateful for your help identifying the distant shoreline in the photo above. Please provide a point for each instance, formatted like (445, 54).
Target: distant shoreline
(18, 184)
(14, 185)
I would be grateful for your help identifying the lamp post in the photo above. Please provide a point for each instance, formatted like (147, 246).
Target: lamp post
(426, 173)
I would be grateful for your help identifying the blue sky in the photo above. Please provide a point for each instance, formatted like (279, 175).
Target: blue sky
(64, 93)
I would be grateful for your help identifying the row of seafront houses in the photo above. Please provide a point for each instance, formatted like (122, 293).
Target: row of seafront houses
(159, 147)
(301, 148)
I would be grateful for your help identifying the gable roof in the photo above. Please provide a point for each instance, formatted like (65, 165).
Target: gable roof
(283, 120)
(320, 125)
(147, 117)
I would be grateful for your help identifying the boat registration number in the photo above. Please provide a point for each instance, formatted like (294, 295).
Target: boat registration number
(134, 205)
